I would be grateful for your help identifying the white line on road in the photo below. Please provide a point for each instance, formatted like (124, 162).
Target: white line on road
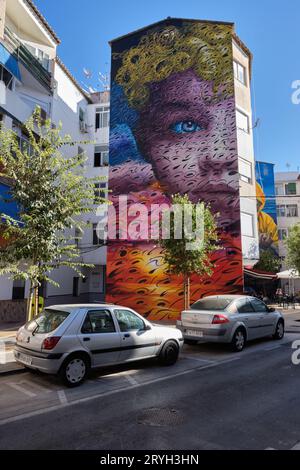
(184, 356)
(130, 379)
(296, 447)
(108, 393)
(62, 397)
(21, 389)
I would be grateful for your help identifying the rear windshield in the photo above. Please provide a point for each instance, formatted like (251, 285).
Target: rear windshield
(48, 321)
(215, 304)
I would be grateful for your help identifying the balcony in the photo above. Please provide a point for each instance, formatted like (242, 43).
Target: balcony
(22, 54)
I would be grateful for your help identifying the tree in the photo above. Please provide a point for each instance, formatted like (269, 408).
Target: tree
(293, 247)
(268, 262)
(178, 255)
(51, 192)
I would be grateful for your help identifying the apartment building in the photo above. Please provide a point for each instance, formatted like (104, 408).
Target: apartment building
(242, 66)
(168, 136)
(32, 74)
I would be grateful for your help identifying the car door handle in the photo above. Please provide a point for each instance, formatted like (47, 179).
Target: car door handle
(86, 339)
(127, 335)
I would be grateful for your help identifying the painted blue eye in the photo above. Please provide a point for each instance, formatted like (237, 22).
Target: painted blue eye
(183, 127)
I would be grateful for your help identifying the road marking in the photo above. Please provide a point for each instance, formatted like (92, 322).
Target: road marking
(109, 393)
(296, 447)
(271, 348)
(21, 389)
(62, 397)
(183, 356)
(270, 448)
(131, 380)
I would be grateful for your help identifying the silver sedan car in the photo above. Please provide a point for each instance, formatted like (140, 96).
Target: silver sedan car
(230, 319)
(70, 339)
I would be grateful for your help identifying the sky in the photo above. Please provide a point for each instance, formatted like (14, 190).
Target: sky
(268, 27)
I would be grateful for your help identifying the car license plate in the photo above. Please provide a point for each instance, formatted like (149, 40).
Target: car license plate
(25, 359)
(195, 333)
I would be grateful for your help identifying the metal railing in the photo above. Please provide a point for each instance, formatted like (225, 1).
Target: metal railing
(22, 54)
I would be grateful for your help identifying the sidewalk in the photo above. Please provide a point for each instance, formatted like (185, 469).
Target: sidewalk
(8, 333)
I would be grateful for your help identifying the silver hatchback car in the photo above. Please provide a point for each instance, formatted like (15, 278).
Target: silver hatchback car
(70, 339)
(230, 319)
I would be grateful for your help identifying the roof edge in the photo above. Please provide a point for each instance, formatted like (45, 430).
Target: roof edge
(73, 79)
(43, 20)
(171, 19)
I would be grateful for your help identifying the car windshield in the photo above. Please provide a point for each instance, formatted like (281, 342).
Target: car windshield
(212, 304)
(48, 321)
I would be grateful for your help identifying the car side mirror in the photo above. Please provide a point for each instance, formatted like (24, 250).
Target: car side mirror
(147, 327)
(271, 309)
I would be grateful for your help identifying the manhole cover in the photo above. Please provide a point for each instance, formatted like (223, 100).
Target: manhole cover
(160, 417)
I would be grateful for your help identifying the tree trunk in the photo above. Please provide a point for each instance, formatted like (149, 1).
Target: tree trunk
(36, 300)
(29, 303)
(186, 290)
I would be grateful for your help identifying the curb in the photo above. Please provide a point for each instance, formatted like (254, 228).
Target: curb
(13, 371)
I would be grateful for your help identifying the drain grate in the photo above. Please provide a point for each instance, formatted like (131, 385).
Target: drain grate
(161, 417)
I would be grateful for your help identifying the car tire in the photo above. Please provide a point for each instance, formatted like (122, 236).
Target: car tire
(169, 353)
(191, 342)
(74, 370)
(238, 340)
(279, 332)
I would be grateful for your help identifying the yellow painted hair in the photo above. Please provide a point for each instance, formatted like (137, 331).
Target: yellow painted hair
(205, 48)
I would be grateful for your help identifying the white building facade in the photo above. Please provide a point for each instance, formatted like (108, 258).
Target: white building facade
(31, 74)
(287, 186)
(242, 64)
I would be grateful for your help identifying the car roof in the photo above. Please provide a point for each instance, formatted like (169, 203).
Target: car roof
(224, 296)
(79, 306)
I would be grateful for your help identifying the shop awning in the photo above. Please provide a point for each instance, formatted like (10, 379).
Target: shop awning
(9, 62)
(258, 274)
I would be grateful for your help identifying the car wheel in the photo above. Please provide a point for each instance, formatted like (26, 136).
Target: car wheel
(74, 370)
(239, 340)
(169, 353)
(279, 332)
(191, 342)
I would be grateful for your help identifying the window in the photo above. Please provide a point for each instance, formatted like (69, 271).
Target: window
(242, 121)
(214, 304)
(239, 72)
(290, 189)
(244, 306)
(102, 117)
(40, 55)
(279, 190)
(18, 291)
(99, 191)
(282, 233)
(247, 224)
(49, 320)
(98, 321)
(245, 169)
(292, 210)
(259, 306)
(75, 286)
(101, 155)
(6, 77)
(280, 211)
(99, 234)
(128, 320)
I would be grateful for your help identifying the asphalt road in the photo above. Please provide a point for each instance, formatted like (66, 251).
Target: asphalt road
(211, 399)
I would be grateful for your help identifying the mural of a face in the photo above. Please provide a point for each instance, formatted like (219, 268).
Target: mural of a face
(173, 130)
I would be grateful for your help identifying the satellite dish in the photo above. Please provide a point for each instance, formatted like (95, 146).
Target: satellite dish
(87, 73)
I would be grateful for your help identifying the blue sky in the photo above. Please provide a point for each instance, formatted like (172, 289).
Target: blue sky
(268, 27)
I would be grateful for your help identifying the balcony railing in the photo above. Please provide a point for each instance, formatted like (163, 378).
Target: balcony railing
(18, 49)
